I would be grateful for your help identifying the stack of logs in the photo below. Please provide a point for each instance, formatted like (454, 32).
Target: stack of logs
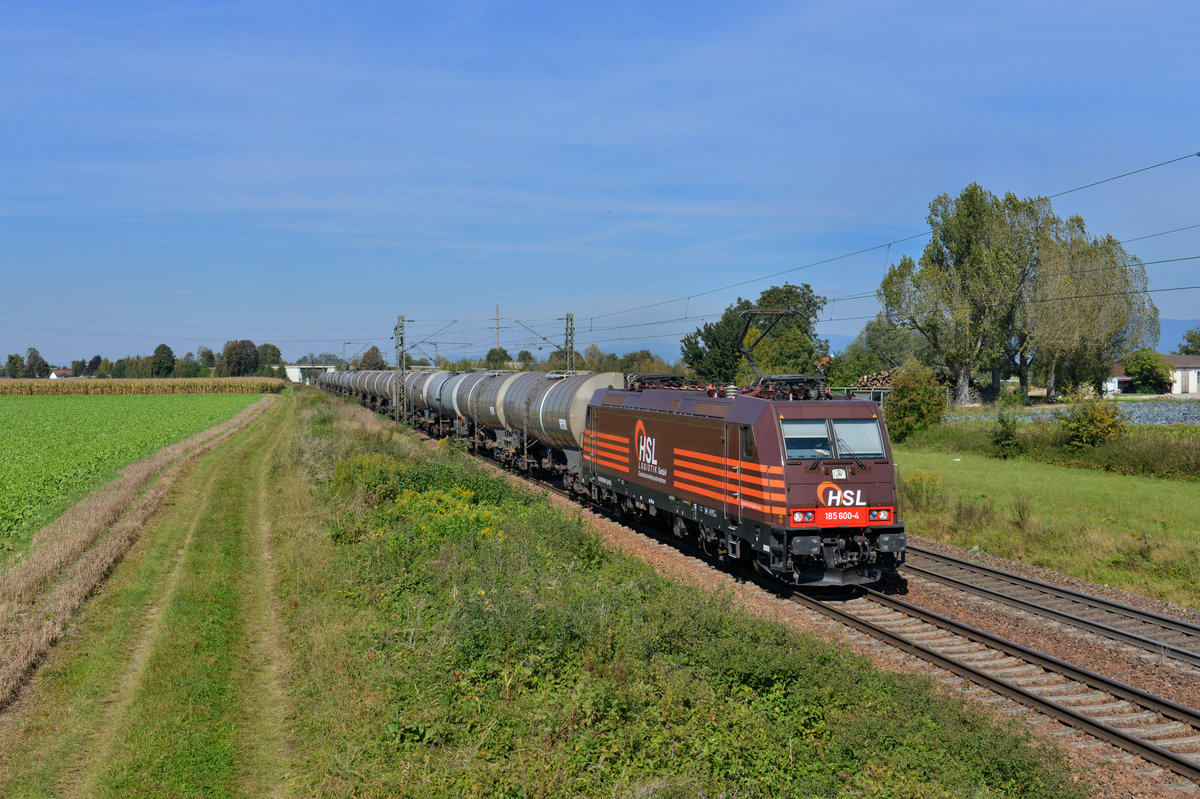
(876, 379)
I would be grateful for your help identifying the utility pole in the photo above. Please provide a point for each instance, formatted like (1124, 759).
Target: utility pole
(497, 327)
(399, 397)
(570, 342)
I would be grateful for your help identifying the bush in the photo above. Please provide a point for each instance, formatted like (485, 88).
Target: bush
(1148, 372)
(916, 401)
(1004, 436)
(922, 491)
(1090, 423)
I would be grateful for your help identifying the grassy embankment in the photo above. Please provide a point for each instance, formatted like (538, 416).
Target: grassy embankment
(433, 631)
(458, 637)
(1125, 513)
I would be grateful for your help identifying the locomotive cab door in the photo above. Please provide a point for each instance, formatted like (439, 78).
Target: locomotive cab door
(733, 474)
(588, 465)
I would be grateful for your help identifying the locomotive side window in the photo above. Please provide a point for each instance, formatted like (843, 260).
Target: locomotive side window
(805, 438)
(858, 437)
(749, 451)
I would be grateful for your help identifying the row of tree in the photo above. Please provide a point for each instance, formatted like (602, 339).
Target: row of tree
(1005, 286)
(592, 359)
(238, 358)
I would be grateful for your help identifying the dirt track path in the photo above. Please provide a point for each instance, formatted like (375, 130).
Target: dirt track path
(171, 682)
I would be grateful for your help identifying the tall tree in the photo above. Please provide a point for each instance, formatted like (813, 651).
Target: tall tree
(15, 366)
(162, 363)
(35, 364)
(593, 356)
(643, 361)
(1190, 344)
(1021, 243)
(1089, 307)
(526, 360)
(497, 358)
(955, 297)
(92, 366)
(372, 359)
(207, 357)
(269, 354)
(790, 345)
(557, 361)
(239, 358)
(187, 366)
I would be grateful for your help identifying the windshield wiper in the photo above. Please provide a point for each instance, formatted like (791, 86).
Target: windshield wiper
(822, 454)
(844, 448)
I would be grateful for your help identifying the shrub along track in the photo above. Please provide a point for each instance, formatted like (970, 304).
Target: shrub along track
(171, 686)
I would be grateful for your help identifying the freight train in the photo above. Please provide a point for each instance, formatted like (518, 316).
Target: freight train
(780, 474)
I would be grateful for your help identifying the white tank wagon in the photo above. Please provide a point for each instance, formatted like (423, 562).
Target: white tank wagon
(557, 409)
(525, 419)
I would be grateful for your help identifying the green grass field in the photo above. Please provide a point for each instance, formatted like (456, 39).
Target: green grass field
(56, 449)
(1137, 533)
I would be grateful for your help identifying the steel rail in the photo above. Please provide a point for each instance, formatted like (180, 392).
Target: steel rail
(1140, 616)
(1180, 764)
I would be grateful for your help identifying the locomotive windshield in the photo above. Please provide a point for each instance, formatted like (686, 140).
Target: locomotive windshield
(858, 437)
(805, 439)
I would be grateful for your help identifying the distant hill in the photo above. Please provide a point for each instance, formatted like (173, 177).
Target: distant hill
(1172, 333)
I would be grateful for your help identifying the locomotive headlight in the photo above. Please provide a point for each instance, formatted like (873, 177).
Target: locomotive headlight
(808, 516)
(873, 515)
(797, 515)
(883, 514)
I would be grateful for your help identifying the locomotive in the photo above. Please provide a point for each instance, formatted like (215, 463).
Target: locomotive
(780, 474)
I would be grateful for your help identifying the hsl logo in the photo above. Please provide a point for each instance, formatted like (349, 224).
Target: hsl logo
(831, 495)
(645, 446)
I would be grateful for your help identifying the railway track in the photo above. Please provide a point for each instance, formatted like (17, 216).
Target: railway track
(1161, 635)
(1157, 730)
(1154, 729)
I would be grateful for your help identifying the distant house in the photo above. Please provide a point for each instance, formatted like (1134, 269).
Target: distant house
(1185, 375)
(57, 374)
(304, 373)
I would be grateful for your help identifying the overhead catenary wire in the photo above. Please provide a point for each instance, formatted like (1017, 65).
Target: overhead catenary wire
(888, 245)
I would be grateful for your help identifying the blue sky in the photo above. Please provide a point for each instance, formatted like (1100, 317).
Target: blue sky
(302, 173)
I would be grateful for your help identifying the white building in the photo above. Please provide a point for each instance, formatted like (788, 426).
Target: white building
(1185, 375)
(305, 373)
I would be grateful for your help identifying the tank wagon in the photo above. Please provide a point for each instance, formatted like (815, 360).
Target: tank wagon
(779, 474)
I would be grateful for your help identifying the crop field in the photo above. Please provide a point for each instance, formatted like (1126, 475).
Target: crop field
(156, 385)
(55, 449)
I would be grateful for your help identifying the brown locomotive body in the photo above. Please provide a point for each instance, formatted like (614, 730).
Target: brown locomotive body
(805, 488)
